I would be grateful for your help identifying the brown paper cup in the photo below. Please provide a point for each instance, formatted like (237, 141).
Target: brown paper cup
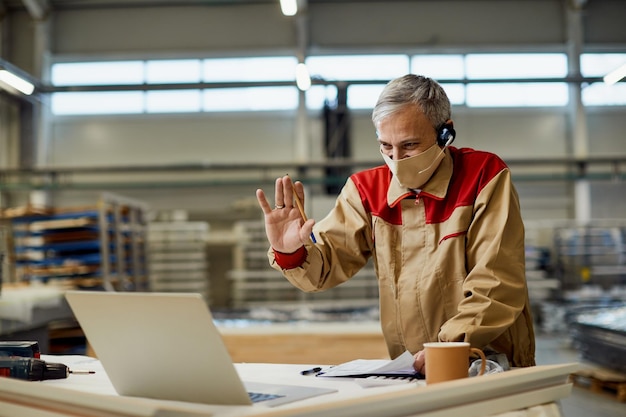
(446, 361)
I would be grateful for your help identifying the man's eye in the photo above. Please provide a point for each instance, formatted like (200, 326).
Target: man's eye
(410, 145)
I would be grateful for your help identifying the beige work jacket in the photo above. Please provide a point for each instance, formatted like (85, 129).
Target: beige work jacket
(450, 260)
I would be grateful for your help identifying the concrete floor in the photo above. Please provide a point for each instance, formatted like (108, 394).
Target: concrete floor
(582, 402)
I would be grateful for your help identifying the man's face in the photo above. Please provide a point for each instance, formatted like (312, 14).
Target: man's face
(405, 133)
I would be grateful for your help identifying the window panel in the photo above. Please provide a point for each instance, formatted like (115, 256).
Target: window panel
(173, 71)
(250, 69)
(115, 102)
(377, 68)
(439, 67)
(516, 94)
(455, 92)
(173, 101)
(598, 65)
(251, 99)
(499, 66)
(601, 94)
(364, 96)
(98, 73)
(317, 95)
(358, 67)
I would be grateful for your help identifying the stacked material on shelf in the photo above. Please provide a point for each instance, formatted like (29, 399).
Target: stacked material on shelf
(255, 283)
(541, 286)
(593, 255)
(57, 245)
(178, 258)
(94, 246)
(600, 335)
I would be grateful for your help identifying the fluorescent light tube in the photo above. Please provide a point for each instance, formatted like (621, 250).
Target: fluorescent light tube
(303, 79)
(615, 75)
(289, 7)
(16, 82)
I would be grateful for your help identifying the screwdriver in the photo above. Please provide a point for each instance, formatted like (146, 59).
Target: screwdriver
(32, 369)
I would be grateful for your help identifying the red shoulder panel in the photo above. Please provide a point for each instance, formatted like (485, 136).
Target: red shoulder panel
(472, 171)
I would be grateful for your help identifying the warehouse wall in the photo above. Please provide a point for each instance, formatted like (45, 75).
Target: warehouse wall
(167, 139)
(257, 27)
(532, 134)
(89, 30)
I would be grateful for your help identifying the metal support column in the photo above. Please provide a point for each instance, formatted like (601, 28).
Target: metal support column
(578, 133)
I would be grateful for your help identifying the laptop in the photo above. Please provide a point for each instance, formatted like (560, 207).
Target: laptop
(166, 346)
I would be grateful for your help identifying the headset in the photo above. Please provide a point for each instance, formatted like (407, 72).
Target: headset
(445, 134)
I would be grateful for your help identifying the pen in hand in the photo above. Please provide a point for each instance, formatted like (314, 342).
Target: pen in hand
(301, 209)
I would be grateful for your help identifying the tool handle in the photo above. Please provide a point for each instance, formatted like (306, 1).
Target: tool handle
(31, 369)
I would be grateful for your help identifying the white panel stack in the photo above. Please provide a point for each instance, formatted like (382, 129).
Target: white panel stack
(178, 259)
(255, 283)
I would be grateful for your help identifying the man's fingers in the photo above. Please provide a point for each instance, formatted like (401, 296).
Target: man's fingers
(420, 362)
(265, 206)
(287, 191)
(299, 190)
(279, 193)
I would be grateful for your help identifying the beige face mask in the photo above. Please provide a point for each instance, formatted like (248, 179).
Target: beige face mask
(413, 172)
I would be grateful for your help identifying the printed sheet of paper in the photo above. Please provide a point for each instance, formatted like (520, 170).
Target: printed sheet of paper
(402, 365)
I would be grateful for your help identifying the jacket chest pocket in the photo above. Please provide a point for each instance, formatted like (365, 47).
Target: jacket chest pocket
(455, 227)
(450, 240)
(386, 241)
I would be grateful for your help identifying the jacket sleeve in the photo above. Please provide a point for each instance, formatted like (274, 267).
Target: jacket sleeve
(494, 290)
(343, 246)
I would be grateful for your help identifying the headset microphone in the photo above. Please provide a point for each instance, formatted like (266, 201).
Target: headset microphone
(445, 135)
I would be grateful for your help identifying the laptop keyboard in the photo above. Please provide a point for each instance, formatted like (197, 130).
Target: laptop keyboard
(257, 397)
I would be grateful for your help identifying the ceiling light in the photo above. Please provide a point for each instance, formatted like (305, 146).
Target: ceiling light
(616, 75)
(303, 79)
(8, 79)
(289, 7)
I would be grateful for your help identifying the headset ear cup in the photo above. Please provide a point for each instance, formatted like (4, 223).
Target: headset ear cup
(446, 135)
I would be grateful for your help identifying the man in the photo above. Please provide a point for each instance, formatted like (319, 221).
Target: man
(442, 224)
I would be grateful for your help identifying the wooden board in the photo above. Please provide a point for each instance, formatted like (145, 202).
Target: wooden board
(303, 347)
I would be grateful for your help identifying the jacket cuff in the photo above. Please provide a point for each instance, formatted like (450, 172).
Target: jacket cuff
(290, 260)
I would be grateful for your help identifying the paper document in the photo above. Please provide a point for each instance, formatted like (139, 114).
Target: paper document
(402, 366)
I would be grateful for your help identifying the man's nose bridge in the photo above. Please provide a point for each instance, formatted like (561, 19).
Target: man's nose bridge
(397, 153)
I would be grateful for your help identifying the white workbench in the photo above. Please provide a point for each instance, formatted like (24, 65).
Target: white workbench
(518, 393)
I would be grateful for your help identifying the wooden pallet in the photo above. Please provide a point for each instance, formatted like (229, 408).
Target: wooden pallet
(601, 380)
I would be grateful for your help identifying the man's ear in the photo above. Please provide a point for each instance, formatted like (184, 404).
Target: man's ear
(446, 134)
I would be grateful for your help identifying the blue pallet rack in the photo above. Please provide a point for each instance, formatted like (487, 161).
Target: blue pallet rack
(105, 245)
